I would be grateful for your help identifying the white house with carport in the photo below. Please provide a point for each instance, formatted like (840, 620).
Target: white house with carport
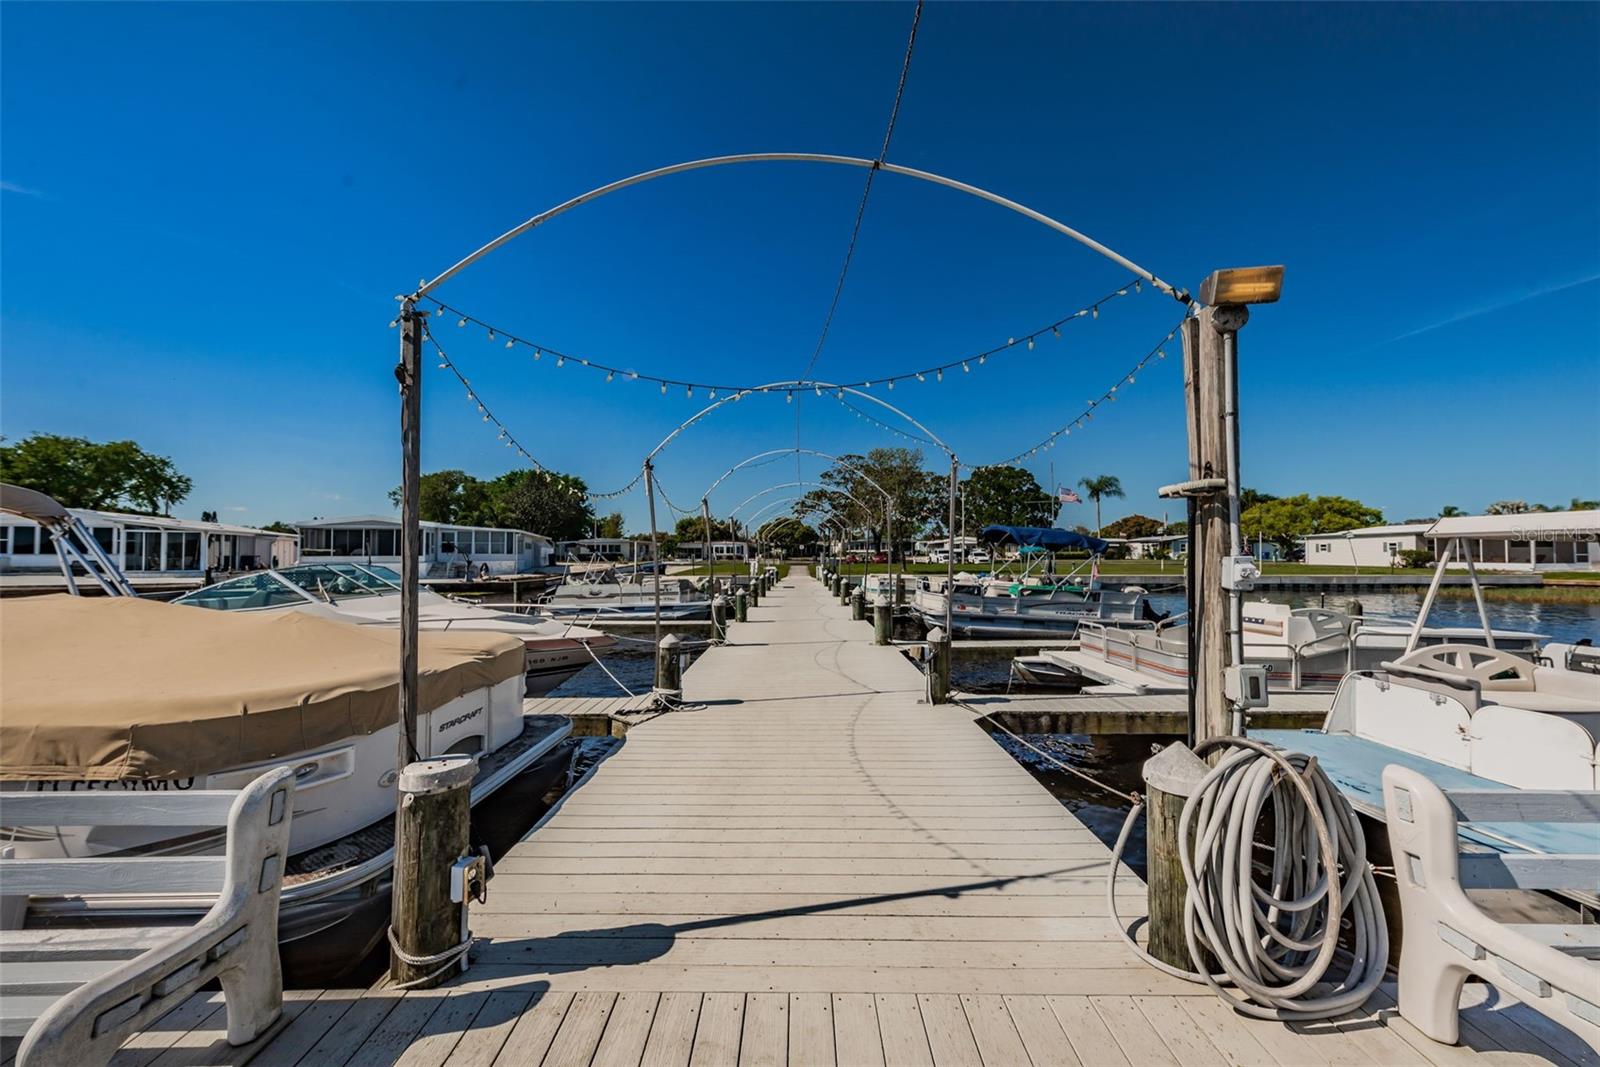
(610, 549)
(448, 549)
(1529, 541)
(1367, 546)
(721, 551)
(149, 545)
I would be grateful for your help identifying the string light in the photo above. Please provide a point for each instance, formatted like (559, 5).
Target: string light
(1087, 415)
(512, 341)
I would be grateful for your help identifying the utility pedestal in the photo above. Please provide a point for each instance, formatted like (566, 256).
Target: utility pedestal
(1170, 777)
(431, 835)
(719, 617)
(858, 605)
(741, 606)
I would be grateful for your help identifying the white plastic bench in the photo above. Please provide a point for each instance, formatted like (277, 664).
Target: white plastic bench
(1553, 968)
(74, 995)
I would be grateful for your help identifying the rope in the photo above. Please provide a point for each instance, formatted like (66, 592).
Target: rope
(861, 208)
(1131, 798)
(1275, 944)
(447, 959)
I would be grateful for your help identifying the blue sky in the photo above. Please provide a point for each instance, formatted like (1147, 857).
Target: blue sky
(207, 211)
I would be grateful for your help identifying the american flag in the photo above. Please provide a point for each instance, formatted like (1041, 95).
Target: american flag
(1069, 497)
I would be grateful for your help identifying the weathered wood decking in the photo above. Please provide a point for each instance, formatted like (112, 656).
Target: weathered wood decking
(863, 880)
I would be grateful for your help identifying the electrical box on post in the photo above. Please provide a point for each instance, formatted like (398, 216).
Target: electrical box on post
(1239, 573)
(1245, 685)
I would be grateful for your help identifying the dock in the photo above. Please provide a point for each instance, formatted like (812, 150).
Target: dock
(808, 864)
(1130, 713)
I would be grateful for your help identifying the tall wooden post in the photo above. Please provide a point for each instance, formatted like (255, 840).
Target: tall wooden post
(1208, 535)
(711, 564)
(950, 568)
(409, 374)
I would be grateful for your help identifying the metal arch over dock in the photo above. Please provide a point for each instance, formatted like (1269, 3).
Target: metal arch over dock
(816, 867)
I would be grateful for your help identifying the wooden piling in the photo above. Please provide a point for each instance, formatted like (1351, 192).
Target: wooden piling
(1208, 534)
(431, 833)
(858, 605)
(719, 617)
(669, 674)
(882, 615)
(1170, 776)
(938, 665)
(741, 606)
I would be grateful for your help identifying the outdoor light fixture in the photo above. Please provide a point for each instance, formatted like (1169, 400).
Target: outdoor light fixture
(1242, 285)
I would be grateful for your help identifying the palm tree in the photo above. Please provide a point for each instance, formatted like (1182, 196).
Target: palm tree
(1100, 488)
(1449, 511)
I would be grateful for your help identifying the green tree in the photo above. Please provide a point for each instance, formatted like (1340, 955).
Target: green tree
(611, 525)
(280, 527)
(1287, 519)
(452, 496)
(1133, 526)
(1449, 511)
(542, 502)
(1007, 496)
(1102, 487)
(1579, 504)
(849, 493)
(1249, 498)
(79, 473)
(691, 530)
(794, 538)
(1507, 507)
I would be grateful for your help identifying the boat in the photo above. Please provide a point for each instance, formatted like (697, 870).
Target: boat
(132, 694)
(1306, 650)
(1468, 716)
(370, 595)
(600, 595)
(1032, 603)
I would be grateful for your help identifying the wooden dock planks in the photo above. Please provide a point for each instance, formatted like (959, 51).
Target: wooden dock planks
(814, 867)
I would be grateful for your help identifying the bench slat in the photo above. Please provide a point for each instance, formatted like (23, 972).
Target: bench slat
(23, 946)
(51, 977)
(1580, 941)
(144, 874)
(118, 807)
(18, 1013)
(1521, 870)
(1525, 805)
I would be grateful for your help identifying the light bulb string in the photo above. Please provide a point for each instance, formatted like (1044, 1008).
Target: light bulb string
(561, 358)
(1157, 353)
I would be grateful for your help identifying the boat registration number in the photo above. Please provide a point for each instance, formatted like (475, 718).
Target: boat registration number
(126, 785)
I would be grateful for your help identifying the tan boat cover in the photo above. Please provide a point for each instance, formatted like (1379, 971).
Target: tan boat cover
(119, 687)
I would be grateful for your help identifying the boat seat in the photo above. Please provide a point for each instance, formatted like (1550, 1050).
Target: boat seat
(1537, 701)
(73, 995)
(1446, 936)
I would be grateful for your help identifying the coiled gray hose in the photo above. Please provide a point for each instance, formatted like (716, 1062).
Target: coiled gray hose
(1275, 935)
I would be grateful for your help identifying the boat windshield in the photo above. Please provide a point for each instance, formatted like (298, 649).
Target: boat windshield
(388, 574)
(333, 582)
(263, 590)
